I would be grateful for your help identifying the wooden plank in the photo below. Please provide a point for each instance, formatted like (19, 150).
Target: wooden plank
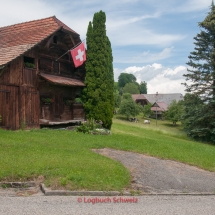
(30, 106)
(73, 41)
(9, 106)
(29, 77)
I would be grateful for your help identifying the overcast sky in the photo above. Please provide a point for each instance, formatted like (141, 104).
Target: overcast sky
(150, 39)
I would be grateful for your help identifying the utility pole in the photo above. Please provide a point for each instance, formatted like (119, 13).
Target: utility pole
(156, 107)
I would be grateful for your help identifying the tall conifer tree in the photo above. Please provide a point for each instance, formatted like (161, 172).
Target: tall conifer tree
(202, 76)
(98, 94)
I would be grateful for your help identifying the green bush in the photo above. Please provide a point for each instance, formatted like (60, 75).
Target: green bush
(89, 126)
(92, 127)
(0, 118)
(78, 101)
(29, 65)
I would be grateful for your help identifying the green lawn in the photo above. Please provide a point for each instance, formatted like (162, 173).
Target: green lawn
(65, 158)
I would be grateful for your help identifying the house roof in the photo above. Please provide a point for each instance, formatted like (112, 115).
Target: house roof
(165, 98)
(16, 39)
(161, 106)
(59, 80)
(138, 97)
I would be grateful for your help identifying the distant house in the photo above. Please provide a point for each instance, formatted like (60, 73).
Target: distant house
(140, 99)
(158, 108)
(166, 98)
(35, 89)
(159, 102)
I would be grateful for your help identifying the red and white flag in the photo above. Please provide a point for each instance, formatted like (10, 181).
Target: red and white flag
(78, 55)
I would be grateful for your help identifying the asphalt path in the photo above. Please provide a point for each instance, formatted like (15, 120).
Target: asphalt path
(55, 205)
(154, 175)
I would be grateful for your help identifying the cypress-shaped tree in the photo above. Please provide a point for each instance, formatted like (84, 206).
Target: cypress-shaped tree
(201, 74)
(98, 93)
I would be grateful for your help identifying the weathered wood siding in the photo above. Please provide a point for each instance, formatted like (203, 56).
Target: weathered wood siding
(19, 106)
(12, 74)
(50, 51)
(78, 111)
(29, 107)
(59, 110)
(9, 107)
(29, 77)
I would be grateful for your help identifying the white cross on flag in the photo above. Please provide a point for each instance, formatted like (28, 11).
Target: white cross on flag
(78, 55)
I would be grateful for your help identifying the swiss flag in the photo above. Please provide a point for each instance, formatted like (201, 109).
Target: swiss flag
(78, 55)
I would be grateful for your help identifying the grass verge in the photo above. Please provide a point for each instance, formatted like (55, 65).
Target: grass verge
(65, 158)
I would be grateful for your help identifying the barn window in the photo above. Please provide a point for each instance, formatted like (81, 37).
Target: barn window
(29, 62)
(55, 39)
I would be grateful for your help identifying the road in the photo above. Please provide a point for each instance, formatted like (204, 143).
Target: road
(153, 205)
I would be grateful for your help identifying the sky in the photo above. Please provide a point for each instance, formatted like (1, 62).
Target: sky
(150, 39)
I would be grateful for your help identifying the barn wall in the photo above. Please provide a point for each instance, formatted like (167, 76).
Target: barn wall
(12, 74)
(9, 107)
(19, 106)
(59, 110)
(29, 107)
(50, 51)
(29, 77)
(5, 75)
(78, 111)
(17, 74)
(16, 67)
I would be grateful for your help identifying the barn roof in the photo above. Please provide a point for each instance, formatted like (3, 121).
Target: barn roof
(59, 80)
(16, 39)
(138, 97)
(166, 98)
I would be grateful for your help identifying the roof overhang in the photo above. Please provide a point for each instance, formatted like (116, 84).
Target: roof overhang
(59, 80)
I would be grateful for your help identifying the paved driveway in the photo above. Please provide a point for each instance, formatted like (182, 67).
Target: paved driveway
(153, 175)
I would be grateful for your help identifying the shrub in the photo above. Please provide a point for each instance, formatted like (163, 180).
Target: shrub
(78, 101)
(92, 126)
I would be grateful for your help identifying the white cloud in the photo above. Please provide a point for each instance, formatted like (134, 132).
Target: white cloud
(165, 85)
(168, 81)
(158, 78)
(21, 11)
(13, 12)
(117, 73)
(194, 5)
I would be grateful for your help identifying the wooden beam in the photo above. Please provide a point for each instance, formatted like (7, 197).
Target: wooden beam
(72, 39)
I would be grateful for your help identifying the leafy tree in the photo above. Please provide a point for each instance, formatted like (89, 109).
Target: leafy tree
(131, 88)
(98, 95)
(143, 87)
(117, 99)
(117, 96)
(116, 86)
(127, 96)
(174, 112)
(201, 75)
(147, 110)
(128, 107)
(125, 78)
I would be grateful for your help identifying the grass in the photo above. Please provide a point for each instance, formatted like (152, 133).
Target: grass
(65, 158)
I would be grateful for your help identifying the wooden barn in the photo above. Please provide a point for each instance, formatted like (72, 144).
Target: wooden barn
(35, 89)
